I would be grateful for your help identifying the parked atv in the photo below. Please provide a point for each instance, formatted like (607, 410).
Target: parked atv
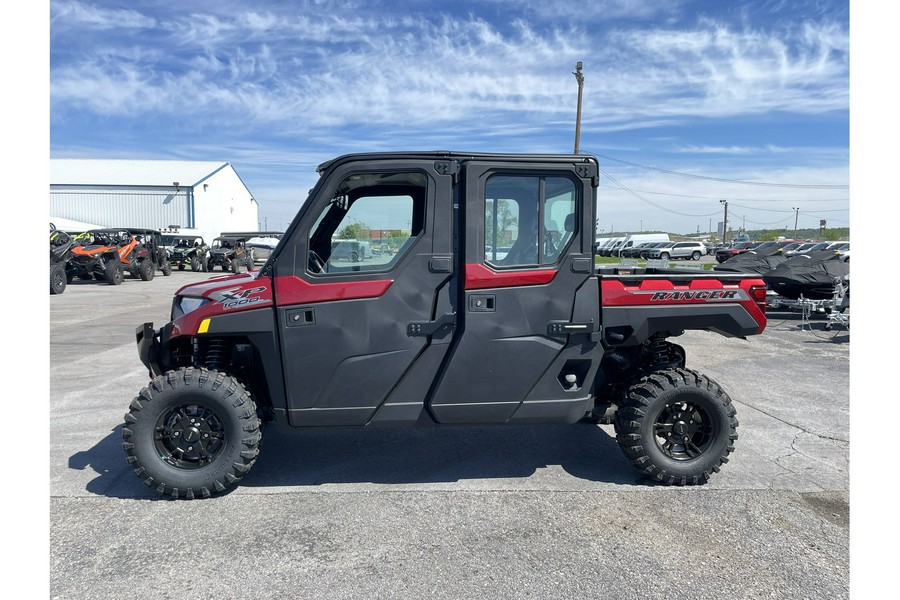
(151, 240)
(106, 255)
(230, 253)
(60, 246)
(190, 252)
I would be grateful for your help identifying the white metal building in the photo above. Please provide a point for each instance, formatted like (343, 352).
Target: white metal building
(152, 194)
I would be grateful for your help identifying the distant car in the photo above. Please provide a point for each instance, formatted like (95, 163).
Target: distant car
(799, 249)
(641, 250)
(352, 250)
(725, 253)
(676, 250)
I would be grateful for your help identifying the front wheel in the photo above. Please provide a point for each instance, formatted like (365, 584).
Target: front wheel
(146, 270)
(192, 433)
(195, 264)
(664, 256)
(677, 426)
(57, 279)
(114, 273)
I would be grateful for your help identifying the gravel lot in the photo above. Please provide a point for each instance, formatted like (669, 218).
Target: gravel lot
(463, 512)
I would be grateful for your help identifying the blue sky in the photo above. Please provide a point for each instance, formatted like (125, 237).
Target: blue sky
(685, 102)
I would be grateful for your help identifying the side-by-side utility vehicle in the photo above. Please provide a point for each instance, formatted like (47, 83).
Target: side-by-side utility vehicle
(441, 331)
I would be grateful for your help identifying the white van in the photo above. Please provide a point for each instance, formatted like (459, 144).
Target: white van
(640, 238)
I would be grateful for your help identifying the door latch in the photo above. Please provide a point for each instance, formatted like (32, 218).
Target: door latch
(426, 328)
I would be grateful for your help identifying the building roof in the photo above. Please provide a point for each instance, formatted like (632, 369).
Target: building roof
(78, 171)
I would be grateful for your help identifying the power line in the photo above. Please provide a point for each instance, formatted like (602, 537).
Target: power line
(740, 181)
(651, 203)
(735, 199)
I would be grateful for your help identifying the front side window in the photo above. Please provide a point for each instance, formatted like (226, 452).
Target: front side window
(528, 220)
(369, 223)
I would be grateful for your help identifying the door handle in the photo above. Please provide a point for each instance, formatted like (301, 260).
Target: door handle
(299, 317)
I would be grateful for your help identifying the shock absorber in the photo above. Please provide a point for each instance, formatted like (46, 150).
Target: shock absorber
(659, 353)
(216, 354)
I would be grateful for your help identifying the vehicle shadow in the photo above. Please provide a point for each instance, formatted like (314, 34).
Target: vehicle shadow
(303, 458)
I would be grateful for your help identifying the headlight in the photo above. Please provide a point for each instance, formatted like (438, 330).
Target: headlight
(182, 305)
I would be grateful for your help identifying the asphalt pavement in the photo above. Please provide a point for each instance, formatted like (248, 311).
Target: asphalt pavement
(457, 512)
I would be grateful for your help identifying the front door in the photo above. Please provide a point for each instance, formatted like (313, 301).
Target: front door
(529, 311)
(364, 294)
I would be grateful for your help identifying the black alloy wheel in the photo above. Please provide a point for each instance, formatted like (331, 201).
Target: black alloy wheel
(676, 426)
(189, 436)
(192, 433)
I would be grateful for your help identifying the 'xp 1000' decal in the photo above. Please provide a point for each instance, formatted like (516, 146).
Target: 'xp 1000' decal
(239, 297)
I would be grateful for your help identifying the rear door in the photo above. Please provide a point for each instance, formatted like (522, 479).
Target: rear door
(362, 336)
(529, 307)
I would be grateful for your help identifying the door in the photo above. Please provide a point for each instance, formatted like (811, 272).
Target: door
(363, 293)
(529, 311)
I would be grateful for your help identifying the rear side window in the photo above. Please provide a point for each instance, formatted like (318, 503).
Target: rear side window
(528, 221)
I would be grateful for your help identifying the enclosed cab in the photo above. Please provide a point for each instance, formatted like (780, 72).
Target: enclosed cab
(442, 330)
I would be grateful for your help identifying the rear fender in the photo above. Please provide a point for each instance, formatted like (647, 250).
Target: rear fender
(633, 310)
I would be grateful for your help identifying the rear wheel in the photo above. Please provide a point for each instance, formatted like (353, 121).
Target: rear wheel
(677, 426)
(192, 433)
(57, 279)
(664, 256)
(181, 266)
(695, 255)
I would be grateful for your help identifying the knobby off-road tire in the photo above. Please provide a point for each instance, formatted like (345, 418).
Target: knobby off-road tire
(166, 269)
(147, 270)
(114, 273)
(677, 426)
(192, 433)
(195, 264)
(57, 279)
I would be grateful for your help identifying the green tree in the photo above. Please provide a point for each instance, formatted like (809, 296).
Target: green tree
(506, 221)
(355, 231)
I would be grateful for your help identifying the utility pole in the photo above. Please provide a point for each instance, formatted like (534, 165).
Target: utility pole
(725, 223)
(580, 79)
(796, 217)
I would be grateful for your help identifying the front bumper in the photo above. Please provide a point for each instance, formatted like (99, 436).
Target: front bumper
(149, 345)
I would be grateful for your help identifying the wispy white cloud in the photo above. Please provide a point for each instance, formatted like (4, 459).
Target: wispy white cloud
(344, 76)
(330, 71)
(79, 16)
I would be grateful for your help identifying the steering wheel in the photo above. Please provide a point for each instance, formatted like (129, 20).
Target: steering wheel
(316, 264)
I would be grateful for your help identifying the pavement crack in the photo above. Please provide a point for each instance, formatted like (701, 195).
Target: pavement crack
(800, 427)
